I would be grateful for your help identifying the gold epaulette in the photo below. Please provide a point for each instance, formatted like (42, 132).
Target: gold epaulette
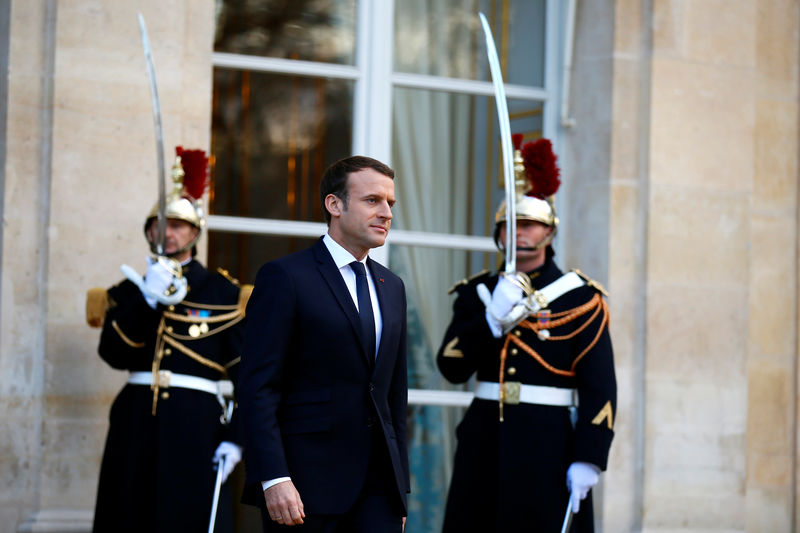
(244, 296)
(96, 306)
(467, 280)
(592, 283)
(227, 275)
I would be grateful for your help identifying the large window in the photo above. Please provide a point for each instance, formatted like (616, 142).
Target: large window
(300, 84)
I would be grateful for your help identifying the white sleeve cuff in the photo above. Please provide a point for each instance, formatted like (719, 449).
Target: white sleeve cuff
(267, 484)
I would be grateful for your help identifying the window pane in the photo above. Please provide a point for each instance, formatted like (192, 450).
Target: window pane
(431, 441)
(272, 138)
(447, 155)
(444, 38)
(243, 254)
(301, 29)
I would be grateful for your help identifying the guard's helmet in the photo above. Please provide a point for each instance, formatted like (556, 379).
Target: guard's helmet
(536, 182)
(185, 201)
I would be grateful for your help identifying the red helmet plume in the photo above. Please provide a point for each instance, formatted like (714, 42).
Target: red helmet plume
(541, 168)
(195, 168)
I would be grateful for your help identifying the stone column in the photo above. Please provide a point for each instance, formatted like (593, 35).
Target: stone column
(80, 179)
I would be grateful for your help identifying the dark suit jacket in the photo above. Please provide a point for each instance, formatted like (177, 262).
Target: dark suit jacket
(310, 396)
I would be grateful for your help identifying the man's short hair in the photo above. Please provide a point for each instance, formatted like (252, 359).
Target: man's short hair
(334, 180)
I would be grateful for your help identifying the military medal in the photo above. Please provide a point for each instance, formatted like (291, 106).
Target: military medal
(195, 330)
(542, 320)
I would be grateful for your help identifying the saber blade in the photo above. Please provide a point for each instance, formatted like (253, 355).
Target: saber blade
(507, 147)
(215, 502)
(568, 516)
(162, 179)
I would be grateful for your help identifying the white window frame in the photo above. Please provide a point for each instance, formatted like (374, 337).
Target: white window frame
(374, 82)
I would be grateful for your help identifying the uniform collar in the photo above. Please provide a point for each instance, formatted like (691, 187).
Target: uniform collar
(545, 274)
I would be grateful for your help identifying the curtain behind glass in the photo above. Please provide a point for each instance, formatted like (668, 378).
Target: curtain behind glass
(431, 139)
(446, 153)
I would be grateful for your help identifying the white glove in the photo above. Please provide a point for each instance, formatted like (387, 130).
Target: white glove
(232, 454)
(505, 297)
(157, 280)
(581, 477)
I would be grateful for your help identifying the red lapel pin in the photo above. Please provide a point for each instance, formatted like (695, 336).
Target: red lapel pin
(381, 280)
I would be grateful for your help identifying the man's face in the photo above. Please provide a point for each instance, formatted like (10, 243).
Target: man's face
(529, 234)
(179, 233)
(363, 222)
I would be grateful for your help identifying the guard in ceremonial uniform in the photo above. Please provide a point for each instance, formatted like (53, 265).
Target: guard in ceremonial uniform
(537, 434)
(178, 332)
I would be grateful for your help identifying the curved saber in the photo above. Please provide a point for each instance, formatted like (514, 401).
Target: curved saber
(162, 201)
(215, 501)
(567, 516)
(505, 140)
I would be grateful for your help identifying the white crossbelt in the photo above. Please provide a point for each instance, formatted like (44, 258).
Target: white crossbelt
(167, 379)
(535, 394)
(546, 295)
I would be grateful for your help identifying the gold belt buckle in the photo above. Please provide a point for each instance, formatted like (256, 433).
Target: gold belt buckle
(164, 377)
(511, 392)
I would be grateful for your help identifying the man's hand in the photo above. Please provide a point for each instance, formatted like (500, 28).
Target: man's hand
(581, 477)
(284, 504)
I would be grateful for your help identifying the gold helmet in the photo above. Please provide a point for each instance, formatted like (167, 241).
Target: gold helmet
(536, 181)
(185, 201)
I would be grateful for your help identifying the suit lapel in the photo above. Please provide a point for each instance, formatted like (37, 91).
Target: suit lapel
(333, 278)
(388, 311)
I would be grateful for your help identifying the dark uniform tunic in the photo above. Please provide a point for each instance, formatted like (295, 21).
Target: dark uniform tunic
(157, 473)
(511, 476)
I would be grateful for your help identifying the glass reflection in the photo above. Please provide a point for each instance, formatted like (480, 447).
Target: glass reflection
(311, 30)
(272, 138)
(444, 38)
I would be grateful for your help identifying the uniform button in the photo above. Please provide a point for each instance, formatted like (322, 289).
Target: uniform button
(171, 307)
(514, 351)
(167, 351)
(512, 371)
(165, 396)
(169, 329)
(517, 332)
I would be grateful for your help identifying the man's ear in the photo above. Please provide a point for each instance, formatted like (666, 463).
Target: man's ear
(334, 205)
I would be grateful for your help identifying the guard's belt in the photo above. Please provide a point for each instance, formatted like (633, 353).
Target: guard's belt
(516, 392)
(166, 379)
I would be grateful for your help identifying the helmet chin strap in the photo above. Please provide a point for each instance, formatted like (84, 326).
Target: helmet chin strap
(184, 249)
(542, 244)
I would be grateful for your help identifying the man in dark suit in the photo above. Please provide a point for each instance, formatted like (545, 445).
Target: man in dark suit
(323, 385)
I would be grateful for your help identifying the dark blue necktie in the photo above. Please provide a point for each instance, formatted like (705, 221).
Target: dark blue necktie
(364, 307)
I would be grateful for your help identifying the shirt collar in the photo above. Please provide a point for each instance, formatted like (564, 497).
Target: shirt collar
(340, 256)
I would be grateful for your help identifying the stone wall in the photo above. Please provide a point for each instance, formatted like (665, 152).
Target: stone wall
(80, 177)
(704, 266)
